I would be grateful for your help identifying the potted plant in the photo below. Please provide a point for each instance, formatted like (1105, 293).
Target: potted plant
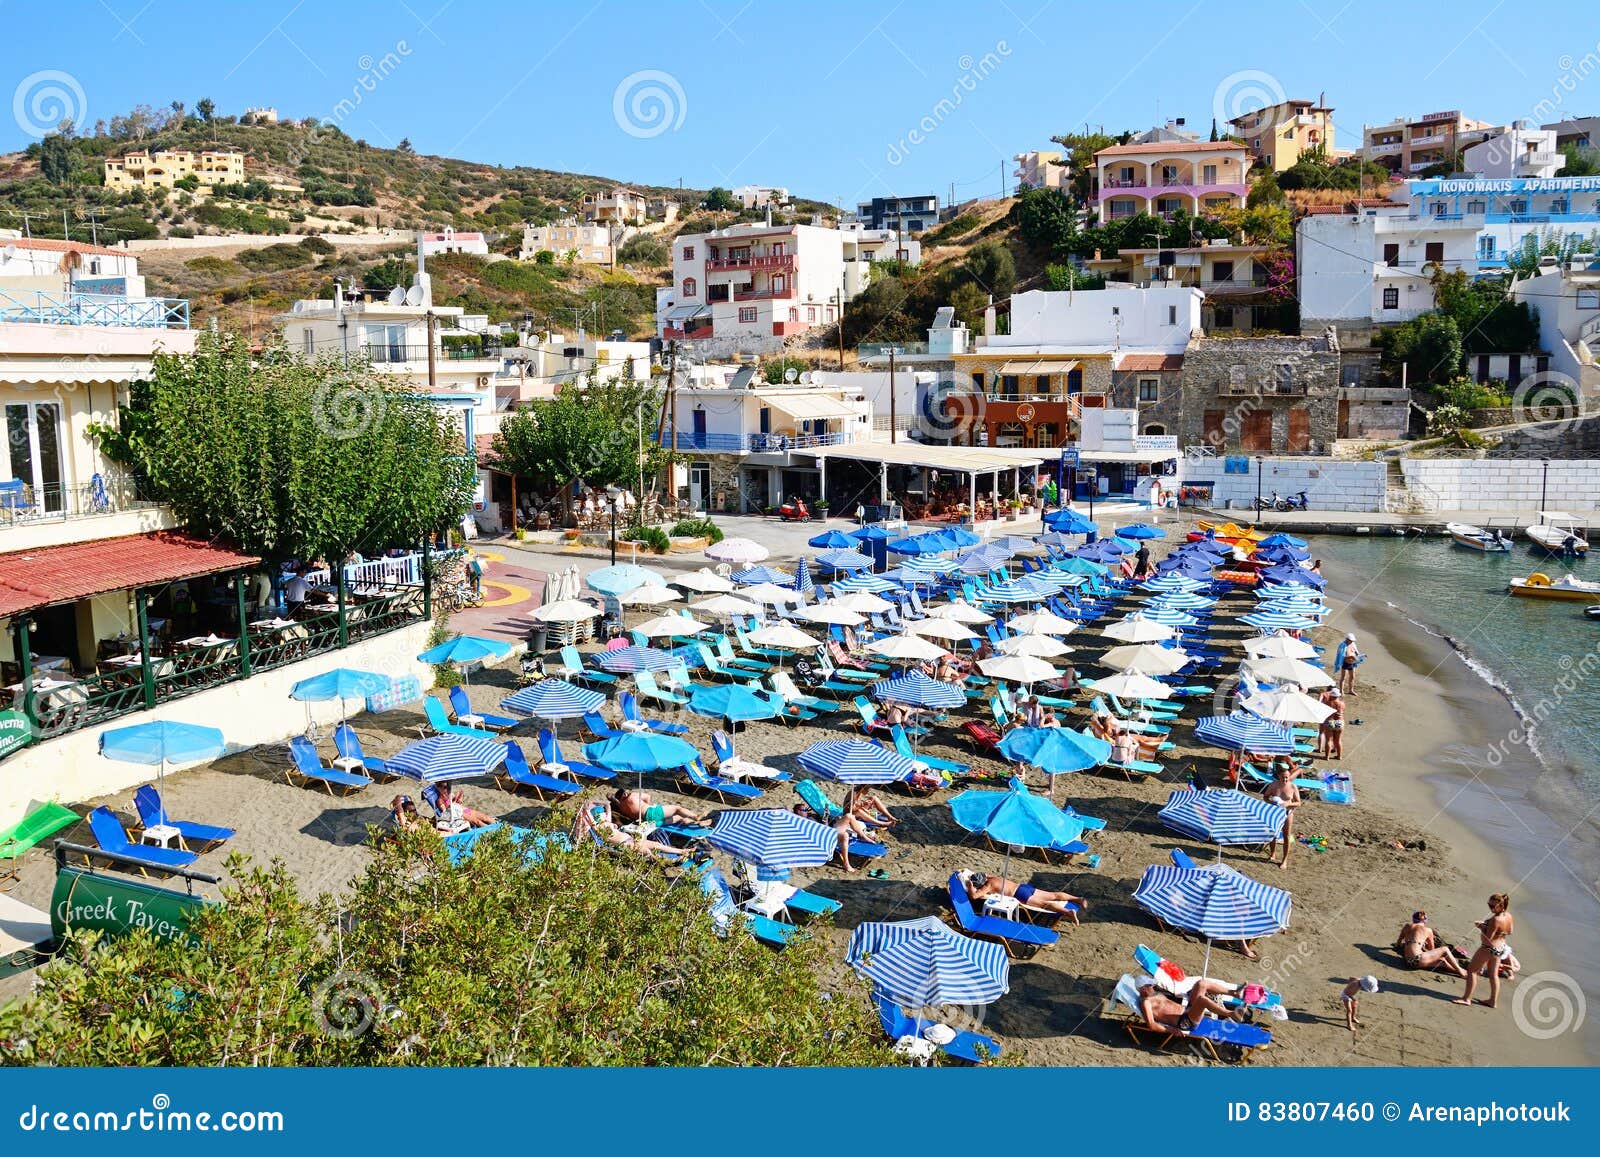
(820, 511)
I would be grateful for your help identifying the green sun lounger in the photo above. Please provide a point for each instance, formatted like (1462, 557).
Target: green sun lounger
(28, 832)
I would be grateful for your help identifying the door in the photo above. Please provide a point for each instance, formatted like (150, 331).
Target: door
(1256, 436)
(1211, 428)
(1299, 430)
(700, 429)
(1391, 254)
(699, 484)
(33, 436)
(1344, 418)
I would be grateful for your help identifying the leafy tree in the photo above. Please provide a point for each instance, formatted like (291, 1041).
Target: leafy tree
(1082, 147)
(878, 313)
(1488, 320)
(992, 267)
(1265, 191)
(643, 249)
(55, 159)
(772, 372)
(1047, 221)
(404, 146)
(1581, 162)
(970, 302)
(1429, 346)
(421, 962)
(1063, 277)
(206, 108)
(719, 200)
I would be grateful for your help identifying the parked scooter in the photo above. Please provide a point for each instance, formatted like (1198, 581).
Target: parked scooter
(795, 510)
(1297, 502)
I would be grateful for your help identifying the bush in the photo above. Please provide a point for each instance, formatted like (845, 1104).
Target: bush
(282, 256)
(698, 528)
(651, 536)
(1466, 394)
(220, 266)
(1446, 417)
(544, 257)
(316, 244)
(643, 249)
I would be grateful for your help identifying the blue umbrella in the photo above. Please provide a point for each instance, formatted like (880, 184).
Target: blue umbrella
(622, 578)
(1269, 621)
(900, 576)
(445, 757)
(627, 660)
(929, 542)
(832, 540)
(1011, 543)
(873, 533)
(872, 583)
(1101, 548)
(463, 649)
(1053, 538)
(1079, 565)
(553, 699)
(919, 690)
(802, 577)
(1137, 530)
(1015, 818)
(1215, 901)
(340, 683)
(1293, 574)
(641, 751)
(750, 576)
(1282, 554)
(162, 742)
(1270, 591)
(1054, 750)
(1284, 540)
(1049, 582)
(1069, 521)
(1168, 616)
(1182, 600)
(733, 702)
(925, 961)
(983, 559)
(960, 536)
(1223, 816)
(774, 838)
(855, 761)
(1172, 581)
(843, 559)
(1243, 731)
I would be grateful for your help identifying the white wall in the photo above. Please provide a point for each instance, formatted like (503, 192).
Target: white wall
(1086, 318)
(1330, 484)
(1503, 484)
(1334, 256)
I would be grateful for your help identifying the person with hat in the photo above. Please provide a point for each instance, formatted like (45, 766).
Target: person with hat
(1352, 991)
(1345, 662)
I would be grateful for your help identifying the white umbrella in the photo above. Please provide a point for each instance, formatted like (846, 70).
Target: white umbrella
(1018, 668)
(727, 605)
(737, 550)
(649, 595)
(704, 580)
(863, 602)
(1041, 623)
(1279, 647)
(669, 625)
(1146, 657)
(1138, 629)
(784, 636)
(1039, 646)
(1288, 671)
(566, 611)
(771, 593)
(960, 612)
(946, 629)
(1133, 685)
(1288, 707)
(831, 614)
(907, 647)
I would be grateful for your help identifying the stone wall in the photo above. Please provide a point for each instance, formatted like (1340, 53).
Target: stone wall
(1566, 438)
(1166, 411)
(1329, 484)
(1503, 484)
(1218, 371)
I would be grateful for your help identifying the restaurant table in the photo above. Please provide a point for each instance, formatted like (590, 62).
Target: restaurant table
(50, 662)
(49, 692)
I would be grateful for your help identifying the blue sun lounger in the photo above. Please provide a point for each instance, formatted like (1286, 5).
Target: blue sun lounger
(147, 802)
(348, 744)
(829, 812)
(699, 777)
(1182, 859)
(1204, 1036)
(464, 711)
(515, 773)
(1010, 933)
(550, 752)
(438, 722)
(110, 835)
(305, 766)
(974, 1048)
(725, 913)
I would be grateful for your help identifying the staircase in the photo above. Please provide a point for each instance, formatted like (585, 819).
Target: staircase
(1401, 497)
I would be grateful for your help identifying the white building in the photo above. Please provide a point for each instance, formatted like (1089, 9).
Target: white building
(1041, 170)
(449, 241)
(1146, 320)
(589, 243)
(863, 247)
(547, 363)
(1517, 151)
(1567, 299)
(762, 197)
(754, 282)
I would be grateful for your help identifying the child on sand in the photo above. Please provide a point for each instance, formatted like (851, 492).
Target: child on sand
(1352, 990)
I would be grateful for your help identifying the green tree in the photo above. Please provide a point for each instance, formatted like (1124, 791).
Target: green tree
(1428, 346)
(55, 159)
(1064, 277)
(644, 249)
(421, 962)
(1082, 147)
(970, 302)
(1265, 191)
(206, 108)
(1581, 162)
(1047, 221)
(878, 313)
(719, 200)
(992, 267)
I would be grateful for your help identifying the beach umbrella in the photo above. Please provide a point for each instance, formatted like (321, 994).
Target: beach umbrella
(567, 611)
(728, 605)
(1215, 901)
(866, 582)
(555, 699)
(1139, 530)
(752, 575)
(844, 559)
(1138, 629)
(1299, 575)
(1282, 554)
(737, 550)
(1011, 592)
(1077, 565)
(1303, 607)
(907, 648)
(670, 626)
(1039, 646)
(770, 593)
(1182, 600)
(1287, 706)
(641, 751)
(1101, 550)
(1223, 816)
(783, 636)
(734, 702)
(773, 838)
(832, 540)
(925, 961)
(1151, 658)
(919, 690)
(1167, 616)
(1279, 647)
(1015, 818)
(929, 542)
(622, 578)
(1050, 582)
(627, 660)
(1242, 731)
(960, 612)
(1015, 543)
(703, 580)
(1053, 538)
(1270, 592)
(1284, 540)
(871, 533)
(1055, 750)
(941, 628)
(1277, 621)
(855, 761)
(160, 742)
(1018, 669)
(910, 578)
(1133, 685)
(1069, 521)
(341, 683)
(928, 565)
(1288, 671)
(447, 757)
(650, 595)
(831, 614)
(862, 602)
(983, 559)
(961, 536)
(463, 649)
(1172, 580)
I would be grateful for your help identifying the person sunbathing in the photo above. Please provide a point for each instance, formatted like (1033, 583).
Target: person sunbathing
(404, 816)
(453, 813)
(636, 807)
(1165, 1013)
(949, 670)
(598, 820)
(1420, 948)
(868, 808)
(1107, 727)
(979, 886)
(848, 828)
(1036, 714)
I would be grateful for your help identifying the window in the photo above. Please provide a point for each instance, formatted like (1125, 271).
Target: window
(977, 380)
(1222, 317)
(1283, 377)
(1440, 208)
(1589, 299)
(747, 313)
(1222, 271)
(1075, 380)
(33, 435)
(1155, 428)
(794, 313)
(1516, 205)
(1485, 247)
(1475, 206)
(1558, 205)
(1349, 375)
(827, 315)
(1008, 385)
(1391, 298)
(690, 288)
(1149, 389)
(1391, 254)
(1172, 315)
(688, 252)
(1238, 377)
(1116, 311)
(811, 313)
(1041, 383)
(1433, 251)
(1208, 174)
(308, 344)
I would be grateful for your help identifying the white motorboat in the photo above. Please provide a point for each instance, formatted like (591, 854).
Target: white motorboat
(1559, 533)
(1476, 537)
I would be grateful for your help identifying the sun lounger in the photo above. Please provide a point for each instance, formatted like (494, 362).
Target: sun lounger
(110, 835)
(467, 717)
(351, 756)
(728, 761)
(699, 777)
(783, 686)
(574, 670)
(902, 744)
(147, 802)
(812, 795)
(515, 773)
(598, 727)
(306, 768)
(1182, 859)
(645, 681)
(439, 723)
(725, 913)
(726, 655)
(972, 1047)
(1150, 960)
(1013, 934)
(717, 667)
(27, 833)
(554, 762)
(1203, 1039)
(770, 891)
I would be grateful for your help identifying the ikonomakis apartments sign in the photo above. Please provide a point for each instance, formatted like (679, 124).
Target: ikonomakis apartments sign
(15, 732)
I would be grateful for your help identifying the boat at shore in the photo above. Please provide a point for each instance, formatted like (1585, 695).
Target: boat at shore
(1476, 537)
(1542, 586)
(1558, 533)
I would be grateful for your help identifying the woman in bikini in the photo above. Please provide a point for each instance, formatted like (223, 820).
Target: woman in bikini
(1420, 948)
(1330, 736)
(1283, 792)
(1494, 946)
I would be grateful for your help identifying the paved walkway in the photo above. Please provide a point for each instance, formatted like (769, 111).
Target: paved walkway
(1380, 522)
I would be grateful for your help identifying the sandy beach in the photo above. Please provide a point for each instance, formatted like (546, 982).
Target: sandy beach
(1395, 850)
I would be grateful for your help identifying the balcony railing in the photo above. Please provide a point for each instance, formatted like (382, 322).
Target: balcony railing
(763, 294)
(22, 503)
(750, 261)
(40, 308)
(403, 354)
(881, 349)
(719, 443)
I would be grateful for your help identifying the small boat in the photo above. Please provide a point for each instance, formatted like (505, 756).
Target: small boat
(1542, 586)
(1559, 533)
(1476, 537)
(1592, 611)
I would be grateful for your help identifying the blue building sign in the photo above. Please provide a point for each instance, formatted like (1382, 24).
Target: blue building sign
(1512, 209)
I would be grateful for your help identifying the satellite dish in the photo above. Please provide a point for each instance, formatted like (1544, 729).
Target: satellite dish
(805, 377)
(11, 253)
(396, 295)
(414, 295)
(791, 375)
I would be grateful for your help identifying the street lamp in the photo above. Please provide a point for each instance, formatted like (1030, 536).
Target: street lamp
(1544, 484)
(1259, 461)
(613, 496)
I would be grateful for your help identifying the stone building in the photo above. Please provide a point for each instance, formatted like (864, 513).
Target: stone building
(1261, 395)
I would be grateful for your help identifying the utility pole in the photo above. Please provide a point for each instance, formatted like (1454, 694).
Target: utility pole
(433, 373)
(893, 437)
(841, 328)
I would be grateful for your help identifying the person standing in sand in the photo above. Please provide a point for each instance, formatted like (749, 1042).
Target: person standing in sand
(1345, 662)
(1330, 734)
(1286, 795)
(1494, 946)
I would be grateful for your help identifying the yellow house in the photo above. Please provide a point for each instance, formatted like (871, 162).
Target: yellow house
(1279, 134)
(165, 167)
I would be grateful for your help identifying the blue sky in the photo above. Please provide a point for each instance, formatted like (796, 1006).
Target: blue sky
(835, 100)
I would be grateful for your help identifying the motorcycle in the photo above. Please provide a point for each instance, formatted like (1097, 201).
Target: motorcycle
(1297, 502)
(795, 510)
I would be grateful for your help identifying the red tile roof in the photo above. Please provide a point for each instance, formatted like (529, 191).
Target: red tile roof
(62, 574)
(1150, 363)
(45, 244)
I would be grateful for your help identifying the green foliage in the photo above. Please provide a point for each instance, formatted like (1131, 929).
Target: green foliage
(651, 536)
(772, 372)
(878, 313)
(219, 266)
(644, 249)
(1064, 277)
(969, 302)
(1581, 162)
(1265, 191)
(544, 257)
(698, 528)
(1447, 417)
(234, 219)
(1429, 346)
(286, 255)
(318, 246)
(1081, 148)
(952, 229)
(587, 435)
(1314, 171)
(719, 200)
(1047, 221)
(1467, 395)
(578, 959)
(287, 458)
(1488, 320)
(206, 108)
(55, 159)
(991, 266)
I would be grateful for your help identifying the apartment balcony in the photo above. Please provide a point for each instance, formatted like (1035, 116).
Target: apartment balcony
(391, 355)
(722, 443)
(21, 503)
(93, 309)
(780, 261)
(1425, 141)
(764, 294)
(1385, 148)
(1195, 189)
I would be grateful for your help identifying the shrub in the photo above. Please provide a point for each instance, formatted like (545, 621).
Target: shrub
(643, 249)
(1446, 417)
(698, 528)
(282, 256)
(651, 536)
(1466, 394)
(315, 244)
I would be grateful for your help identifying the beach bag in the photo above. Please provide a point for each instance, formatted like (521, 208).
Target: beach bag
(1253, 994)
(1173, 971)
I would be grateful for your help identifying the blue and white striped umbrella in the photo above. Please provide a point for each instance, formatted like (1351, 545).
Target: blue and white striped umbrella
(919, 690)
(1172, 581)
(553, 699)
(1223, 816)
(1182, 600)
(443, 757)
(925, 962)
(871, 583)
(774, 838)
(928, 564)
(1243, 731)
(855, 761)
(1168, 616)
(1011, 592)
(1215, 901)
(627, 660)
(750, 576)
(802, 578)
(1270, 592)
(900, 576)
(1296, 607)
(843, 560)
(990, 554)
(1269, 621)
